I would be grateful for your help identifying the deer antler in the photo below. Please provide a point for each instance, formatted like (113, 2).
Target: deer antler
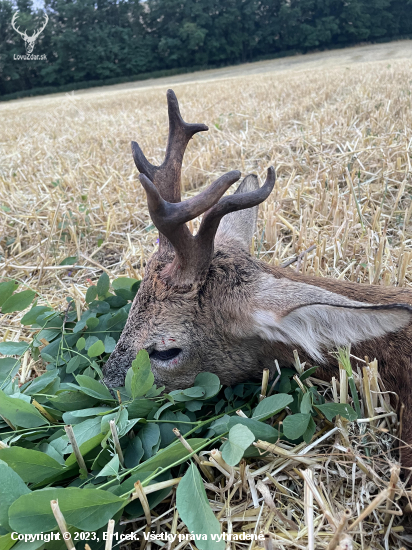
(46, 20)
(167, 176)
(23, 34)
(193, 254)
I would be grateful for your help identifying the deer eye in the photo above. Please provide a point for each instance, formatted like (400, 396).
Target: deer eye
(165, 355)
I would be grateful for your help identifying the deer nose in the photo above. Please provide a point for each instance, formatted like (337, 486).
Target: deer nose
(165, 355)
(150, 348)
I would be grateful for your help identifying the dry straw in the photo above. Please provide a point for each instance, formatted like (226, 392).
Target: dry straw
(340, 140)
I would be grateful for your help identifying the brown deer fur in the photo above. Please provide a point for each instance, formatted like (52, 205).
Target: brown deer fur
(205, 304)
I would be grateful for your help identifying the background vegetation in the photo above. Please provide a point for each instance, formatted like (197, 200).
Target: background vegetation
(89, 42)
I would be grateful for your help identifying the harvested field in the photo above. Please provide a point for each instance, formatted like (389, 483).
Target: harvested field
(340, 139)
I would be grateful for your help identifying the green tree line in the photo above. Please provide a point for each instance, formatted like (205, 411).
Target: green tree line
(87, 42)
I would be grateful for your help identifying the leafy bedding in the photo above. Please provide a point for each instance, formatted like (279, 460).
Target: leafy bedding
(37, 461)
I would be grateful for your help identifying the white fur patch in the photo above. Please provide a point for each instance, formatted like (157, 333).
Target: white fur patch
(321, 327)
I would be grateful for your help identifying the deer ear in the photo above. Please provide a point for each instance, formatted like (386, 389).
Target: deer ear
(240, 226)
(318, 320)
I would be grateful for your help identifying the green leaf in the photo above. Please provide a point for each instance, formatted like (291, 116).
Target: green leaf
(96, 349)
(53, 349)
(92, 322)
(93, 388)
(32, 466)
(91, 294)
(41, 382)
(150, 437)
(221, 425)
(310, 430)
(193, 405)
(73, 364)
(32, 315)
(109, 344)
(99, 307)
(125, 295)
(9, 367)
(85, 509)
(11, 488)
(118, 319)
(140, 408)
(101, 460)
(80, 344)
(330, 410)
(70, 260)
(271, 405)
(240, 438)
(51, 451)
(308, 373)
(84, 413)
(259, 429)
(133, 453)
(18, 301)
(6, 542)
(306, 403)
(20, 413)
(124, 282)
(139, 378)
(170, 455)
(295, 425)
(166, 428)
(103, 285)
(84, 431)
(121, 418)
(194, 509)
(209, 382)
(85, 448)
(72, 401)
(13, 348)
(181, 396)
(6, 290)
(90, 341)
(111, 468)
(284, 384)
(115, 301)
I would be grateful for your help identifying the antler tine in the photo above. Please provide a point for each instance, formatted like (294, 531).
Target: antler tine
(46, 20)
(170, 219)
(141, 162)
(17, 29)
(168, 216)
(166, 177)
(190, 260)
(194, 254)
(232, 203)
(180, 133)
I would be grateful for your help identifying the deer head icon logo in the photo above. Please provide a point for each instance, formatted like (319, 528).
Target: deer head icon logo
(29, 41)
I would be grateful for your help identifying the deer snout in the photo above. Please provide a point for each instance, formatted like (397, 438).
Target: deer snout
(119, 363)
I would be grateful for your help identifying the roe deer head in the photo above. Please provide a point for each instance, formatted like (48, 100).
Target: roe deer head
(205, 304)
